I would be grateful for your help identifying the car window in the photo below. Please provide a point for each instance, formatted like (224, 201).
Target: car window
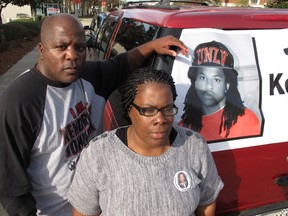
(131, 34)
(93, 23)
(97, 23)
(104, 35)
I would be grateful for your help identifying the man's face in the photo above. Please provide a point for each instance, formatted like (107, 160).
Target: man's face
(63, 54)
(210, 85)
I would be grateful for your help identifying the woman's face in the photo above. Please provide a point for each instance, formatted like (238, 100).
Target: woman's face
(182, 178)
(210, 85)
(151, 132)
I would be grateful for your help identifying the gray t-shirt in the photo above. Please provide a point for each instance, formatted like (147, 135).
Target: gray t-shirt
(112, 179)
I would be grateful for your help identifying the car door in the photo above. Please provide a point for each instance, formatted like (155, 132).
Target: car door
(104, 36)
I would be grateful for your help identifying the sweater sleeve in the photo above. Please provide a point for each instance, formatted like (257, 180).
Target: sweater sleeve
(83, 193)
(107, 75)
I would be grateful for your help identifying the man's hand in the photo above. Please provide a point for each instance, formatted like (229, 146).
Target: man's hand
(163, 46)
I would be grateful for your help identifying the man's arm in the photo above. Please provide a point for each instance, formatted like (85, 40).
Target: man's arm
(206, 210)
(77, 213)
(138, 55)
(23, 205)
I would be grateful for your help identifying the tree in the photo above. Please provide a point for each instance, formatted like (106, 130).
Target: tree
(33, 5)
(3, 4)
(277, 4)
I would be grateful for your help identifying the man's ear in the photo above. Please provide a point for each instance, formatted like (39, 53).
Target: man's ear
(40, 49)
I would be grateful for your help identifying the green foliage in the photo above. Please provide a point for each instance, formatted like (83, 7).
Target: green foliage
(277, 4)
(242, 3)
(21, 28)
(4, 45)
(216, 2)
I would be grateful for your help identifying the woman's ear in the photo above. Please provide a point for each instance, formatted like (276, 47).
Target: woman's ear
(128, 111)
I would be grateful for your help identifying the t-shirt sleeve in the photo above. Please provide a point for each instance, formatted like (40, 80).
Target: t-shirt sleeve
(18, 131)
(83, 193)
(107, 75)
(211, 183)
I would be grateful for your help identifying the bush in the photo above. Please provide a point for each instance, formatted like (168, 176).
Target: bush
(278, 4)
(21, 28)
(4, 46)
(242, 3)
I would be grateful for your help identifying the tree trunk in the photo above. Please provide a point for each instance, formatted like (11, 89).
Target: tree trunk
(2, 36)
(33, 10)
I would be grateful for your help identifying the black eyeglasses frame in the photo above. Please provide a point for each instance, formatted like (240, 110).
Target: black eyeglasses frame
(142, 110)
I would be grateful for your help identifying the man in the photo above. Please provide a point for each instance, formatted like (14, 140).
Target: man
(213, 104)
(50, 113)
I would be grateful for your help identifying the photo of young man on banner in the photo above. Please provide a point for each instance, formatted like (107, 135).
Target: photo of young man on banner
(213, 104)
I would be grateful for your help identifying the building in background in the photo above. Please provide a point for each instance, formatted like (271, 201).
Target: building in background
(12, 12)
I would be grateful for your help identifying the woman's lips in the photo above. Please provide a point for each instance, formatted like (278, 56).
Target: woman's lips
(159, 134)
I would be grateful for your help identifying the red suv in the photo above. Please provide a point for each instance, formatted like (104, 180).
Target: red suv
(250, 147)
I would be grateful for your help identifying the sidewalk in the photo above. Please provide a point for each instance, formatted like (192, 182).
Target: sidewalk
(28, 61)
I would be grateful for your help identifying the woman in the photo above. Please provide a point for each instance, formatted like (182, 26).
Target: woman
(134, 170)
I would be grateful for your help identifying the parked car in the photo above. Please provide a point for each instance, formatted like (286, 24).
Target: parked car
(91, 34)
(22, 16)
(254, 167)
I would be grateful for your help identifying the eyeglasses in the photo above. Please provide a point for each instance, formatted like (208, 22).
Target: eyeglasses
(167, 111)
